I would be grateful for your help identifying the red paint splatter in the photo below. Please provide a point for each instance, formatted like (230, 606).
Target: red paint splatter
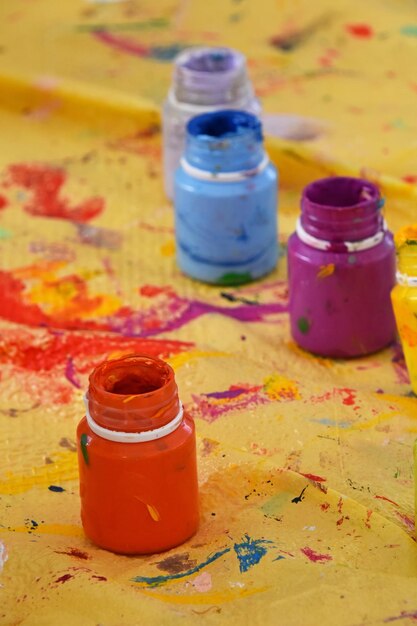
(368, 517)
(349, 398)
(340, 521)
(150, 291)
(340, 505)
(361, 31)
(99, 577)
(45, 184)
(325, 506)
(316, 479)
(410, 178)
(64, 578)
(122, 44)
(78, 554)
(315, 557)
(3, 202)
(387, 499)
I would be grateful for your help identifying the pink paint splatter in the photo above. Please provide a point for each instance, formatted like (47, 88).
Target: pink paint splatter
(202, 582)
(316, 479)
(315, 557)
(407, 520)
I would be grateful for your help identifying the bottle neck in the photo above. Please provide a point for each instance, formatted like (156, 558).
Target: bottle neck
(224, 141)
(133, 394)
(406, 245)
(341, 209)
(210, 77)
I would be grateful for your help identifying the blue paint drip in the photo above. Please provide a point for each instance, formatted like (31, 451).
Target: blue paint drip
(250, 552)
(56, 488)
(155, 581)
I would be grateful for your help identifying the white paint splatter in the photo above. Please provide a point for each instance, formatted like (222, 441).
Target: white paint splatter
(237, 584)
(3, 556)
(202, 582)
(293, 127)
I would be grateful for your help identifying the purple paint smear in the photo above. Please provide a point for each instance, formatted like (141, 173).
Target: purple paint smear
(177, 312)
(229, 393)
(70, 373)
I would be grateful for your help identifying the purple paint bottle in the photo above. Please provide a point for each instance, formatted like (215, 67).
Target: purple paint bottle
(341, 265)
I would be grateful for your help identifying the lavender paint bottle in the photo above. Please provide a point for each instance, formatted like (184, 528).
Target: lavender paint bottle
(204, 80)
(341, 264)
(226, 200)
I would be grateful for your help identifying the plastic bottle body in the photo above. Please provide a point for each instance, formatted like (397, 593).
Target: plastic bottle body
(204, 80)
(340, 294)
(137, 497)
(226, 230)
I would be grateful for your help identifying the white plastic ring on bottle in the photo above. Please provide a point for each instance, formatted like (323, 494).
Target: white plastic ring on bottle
(405, 280)
(351, 246)
(197, 109)
(123, 437)
(224, 177)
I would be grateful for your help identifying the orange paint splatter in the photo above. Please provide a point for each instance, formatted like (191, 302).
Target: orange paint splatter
(326, 270)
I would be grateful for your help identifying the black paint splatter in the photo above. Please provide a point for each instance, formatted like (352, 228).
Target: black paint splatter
(299, 498)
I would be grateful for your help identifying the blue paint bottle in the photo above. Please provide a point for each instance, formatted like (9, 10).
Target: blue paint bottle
(225, 199)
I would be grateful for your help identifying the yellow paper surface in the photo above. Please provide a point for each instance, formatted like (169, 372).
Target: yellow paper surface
(305, 464)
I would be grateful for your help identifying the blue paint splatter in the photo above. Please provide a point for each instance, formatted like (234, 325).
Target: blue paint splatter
(56, 488)
(327, 421)
(250, 552)
(155, 581)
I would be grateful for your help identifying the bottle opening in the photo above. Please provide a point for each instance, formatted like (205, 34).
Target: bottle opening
(224, 124)
(215, 60)
(134, 375)
(341, 192)
(133, 393)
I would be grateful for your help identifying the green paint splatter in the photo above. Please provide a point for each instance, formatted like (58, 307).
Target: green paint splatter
(84, 443)
(156, 22)
(5, 234)
(410, 30)
(303, 325)
(411, 242)
(234, 279)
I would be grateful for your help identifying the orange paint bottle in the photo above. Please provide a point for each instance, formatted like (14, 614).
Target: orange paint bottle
(137, 459)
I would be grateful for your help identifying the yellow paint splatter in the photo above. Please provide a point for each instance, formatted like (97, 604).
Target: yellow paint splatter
(218, 597)
(153, 512)
(326, 270)
(67, 530)
(63, 468)
(178, 360)
(278, 387)
(168, 248)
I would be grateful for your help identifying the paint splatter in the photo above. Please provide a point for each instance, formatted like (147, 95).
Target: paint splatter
(278, 387)
(326, 270)
(3, 202)
(76, 553)
(203, 582)
(63, 579)
(314, 556)
(70, 373)
(45, 184)
(407, 520)
(177, 563)
(135, 48)
(155, 581)
(250, 552)
(153, 512)
(303, 325)
(299, 498)
(360, 31)
(84, 450)
(3, 556)
(410, 30)
(313, 477)
(56, 488)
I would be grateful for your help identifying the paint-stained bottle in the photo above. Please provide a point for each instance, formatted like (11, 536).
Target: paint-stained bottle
(404, 297)
(204, 79)
(137, 459)
(341, 266)
(226, 200)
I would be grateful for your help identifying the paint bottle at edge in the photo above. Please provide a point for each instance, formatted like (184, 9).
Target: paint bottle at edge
(226, 200)
(404, 297)
(204, 79)
(341, 267)
(137, 459)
